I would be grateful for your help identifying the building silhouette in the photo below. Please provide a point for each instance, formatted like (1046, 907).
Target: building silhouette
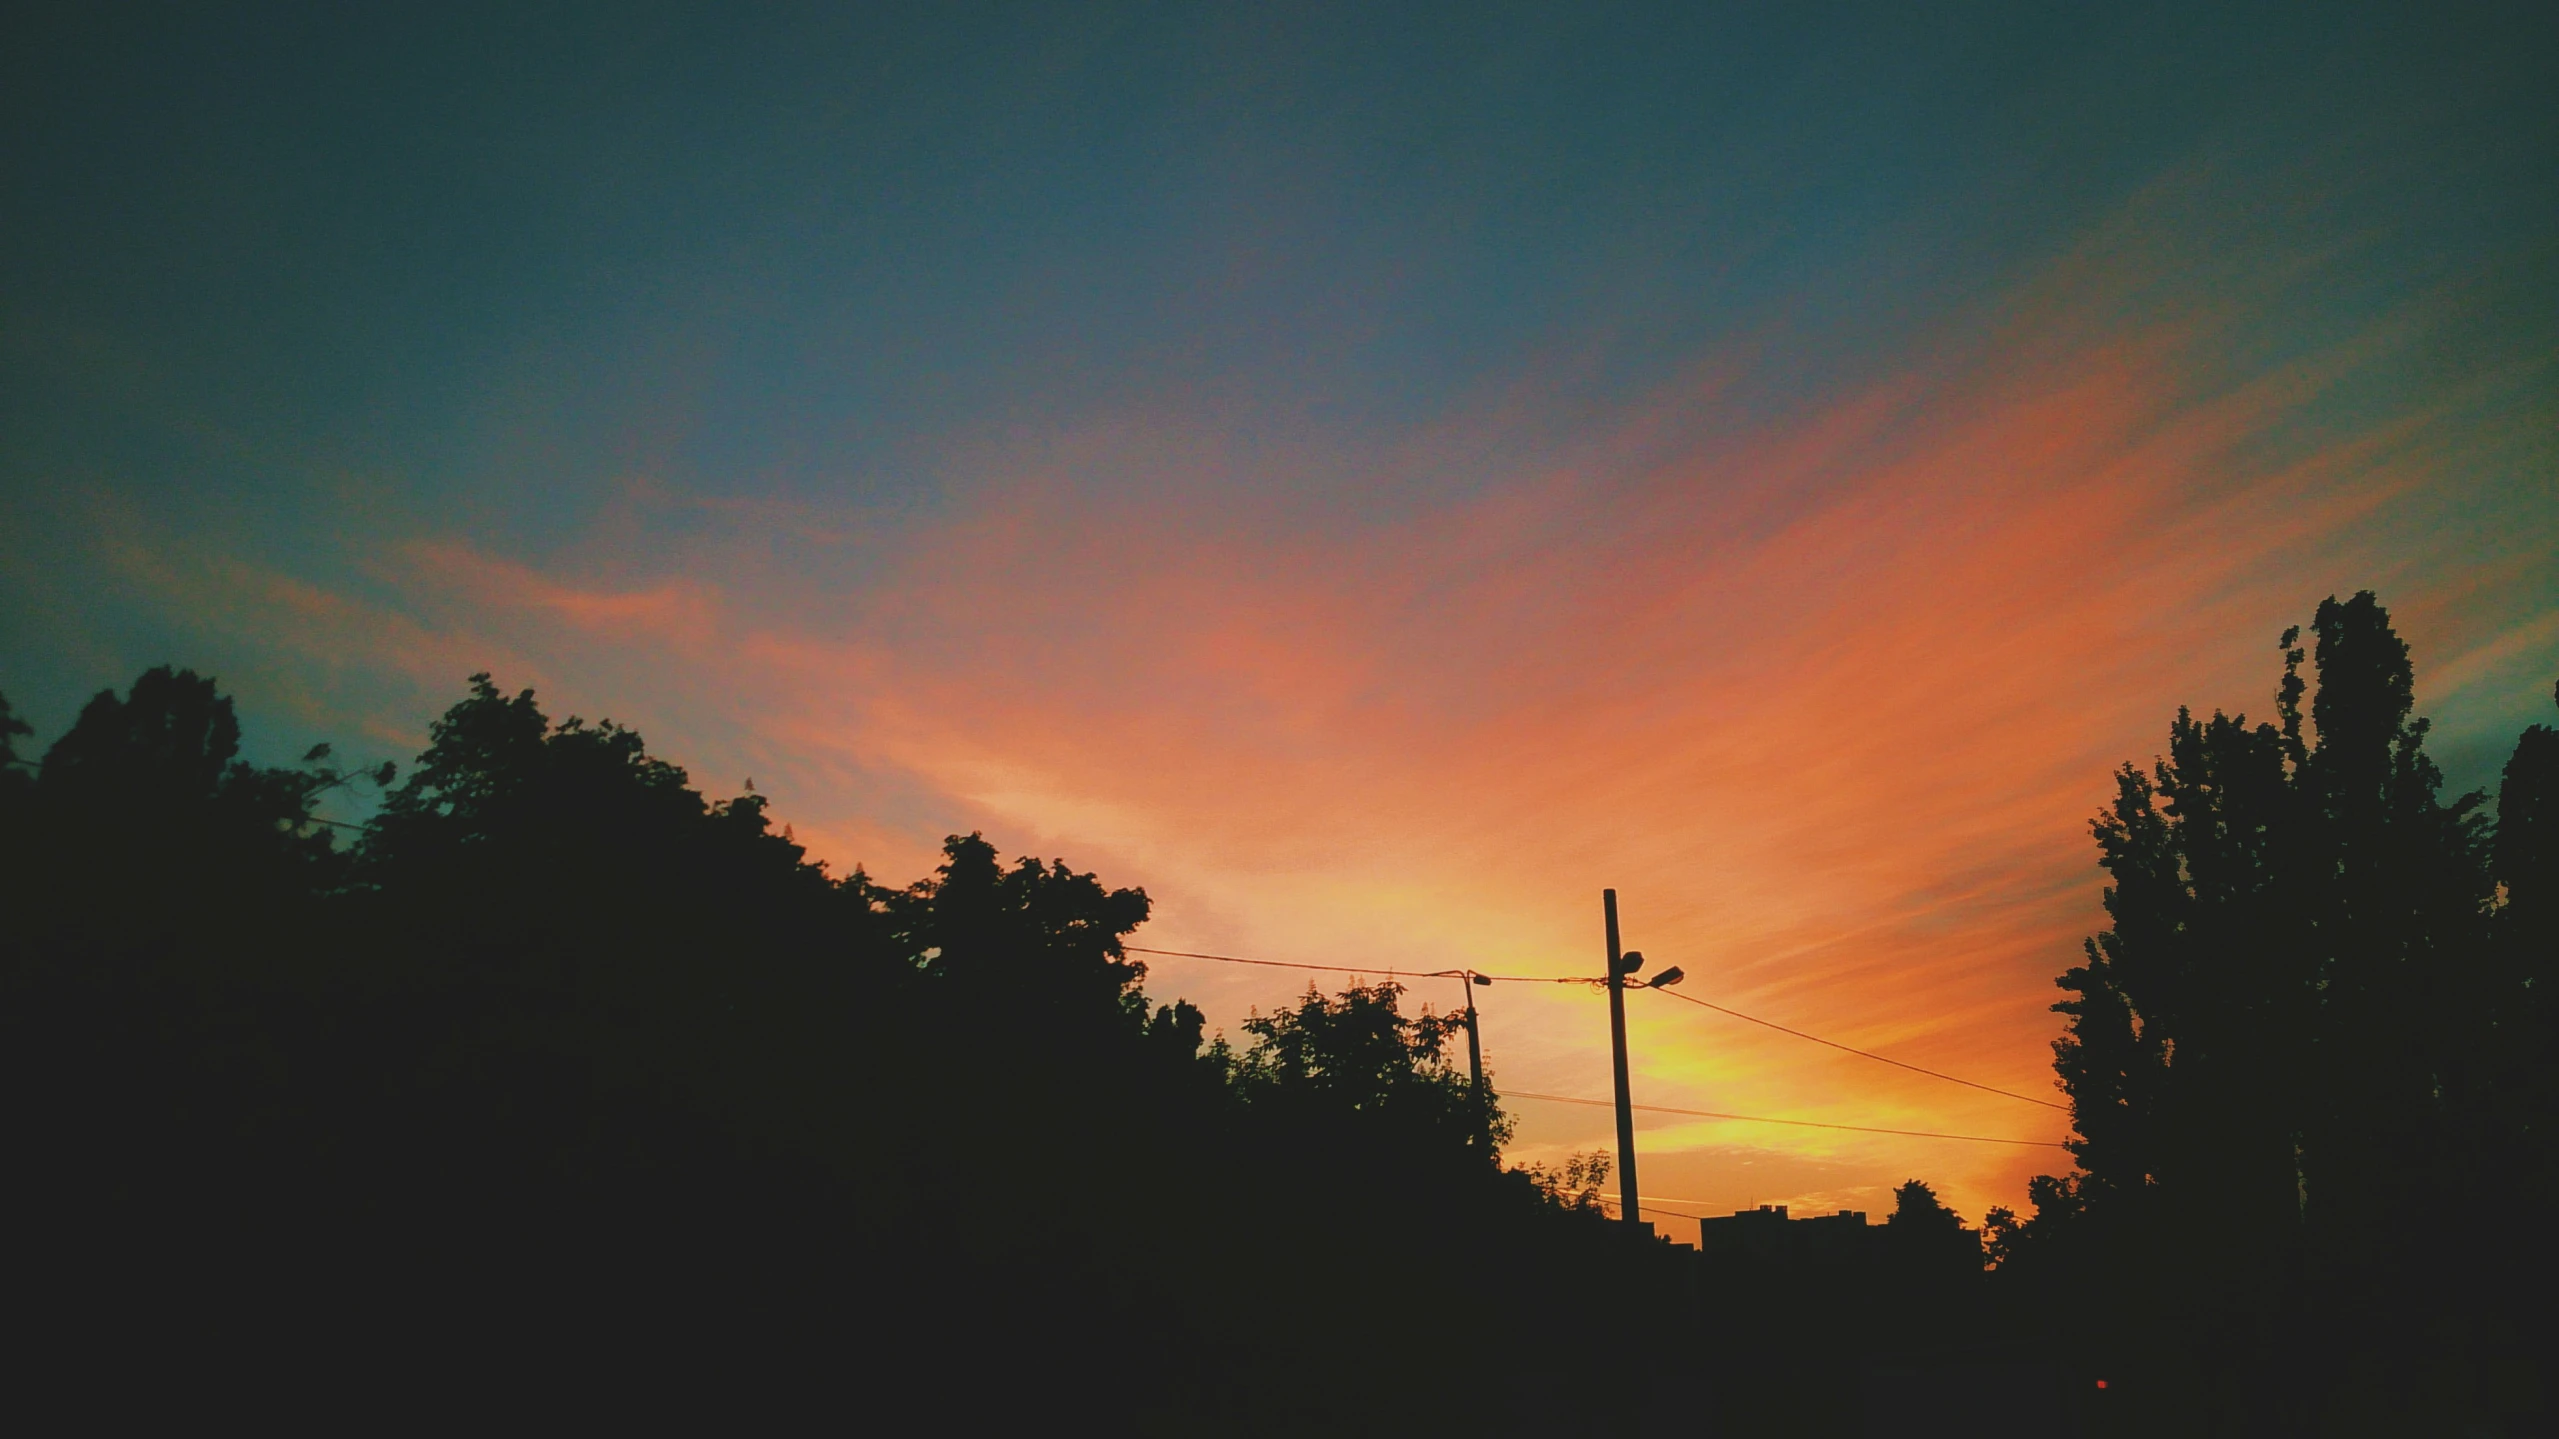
(1769, 1235)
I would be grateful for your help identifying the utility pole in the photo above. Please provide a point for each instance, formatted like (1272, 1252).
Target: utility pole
(1475, 1063)
(1617, 1046)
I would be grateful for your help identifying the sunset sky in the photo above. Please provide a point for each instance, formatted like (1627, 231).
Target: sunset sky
(1371, 475)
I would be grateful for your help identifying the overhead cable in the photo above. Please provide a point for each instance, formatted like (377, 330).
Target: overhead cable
(1553, 979)
(1360, 969)
(1798, 1123)
(1862, 1053)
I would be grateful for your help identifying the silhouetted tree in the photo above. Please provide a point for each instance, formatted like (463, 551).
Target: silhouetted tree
(2296, 1040)
(1355, 1064)
(162, 762)
(16, 776)
(2037, 1244)
(2527, 850)
(2522, 1125)
(2285, 1000)
(570, 1059)
(1035, 940)
(1927, 1239)
(11, 727)
(1576, 1183)
(1918, 1210)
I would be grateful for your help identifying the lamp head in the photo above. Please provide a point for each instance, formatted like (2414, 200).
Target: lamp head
(1666, 978)
(1631, 961)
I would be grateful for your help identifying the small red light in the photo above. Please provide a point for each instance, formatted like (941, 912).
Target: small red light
(2101, 1383)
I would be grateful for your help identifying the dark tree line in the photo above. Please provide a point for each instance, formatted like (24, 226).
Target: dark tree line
(558, 1076)
(556, 1066)
(2311, 1061)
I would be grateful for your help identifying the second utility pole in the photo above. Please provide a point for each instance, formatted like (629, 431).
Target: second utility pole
(1475, 1064)
(1617, 1047)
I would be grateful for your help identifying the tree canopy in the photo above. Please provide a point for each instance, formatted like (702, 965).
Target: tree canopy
(2319, 1021)
(622, 1053)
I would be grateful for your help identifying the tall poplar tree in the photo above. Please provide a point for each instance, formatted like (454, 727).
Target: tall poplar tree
(2288, 1030)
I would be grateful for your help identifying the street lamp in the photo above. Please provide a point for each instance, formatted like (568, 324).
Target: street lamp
(1622, 969)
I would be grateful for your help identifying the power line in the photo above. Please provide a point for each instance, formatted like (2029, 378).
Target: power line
(1798, 1123)
(1654, 1108)
(1283, 964)
(1650, 1201)
(1689, 999)
(1864, 1053)
(1652, 1205)
(1358, 969)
